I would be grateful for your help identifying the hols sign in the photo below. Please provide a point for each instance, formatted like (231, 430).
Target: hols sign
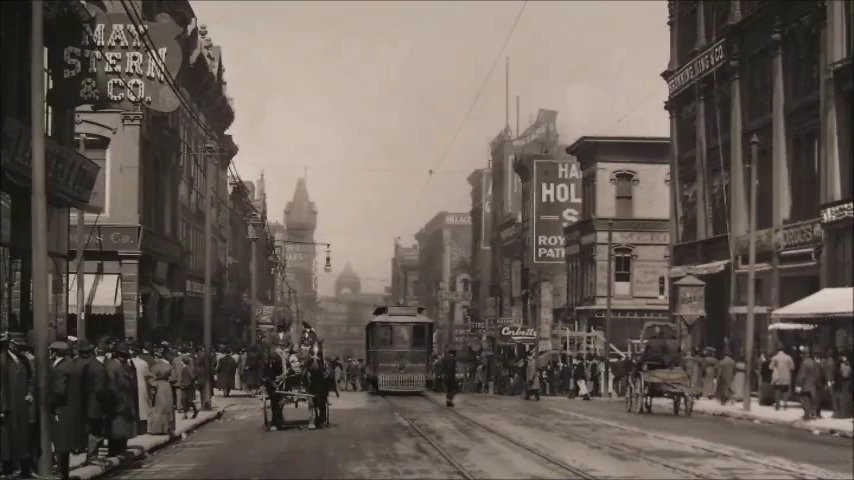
(113, 63)
(556, 203)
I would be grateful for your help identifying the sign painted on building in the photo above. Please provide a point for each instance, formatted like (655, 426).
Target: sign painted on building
(115, 62)
(299, 255)
(458, 219)
(556, 204)
(806, 234)
(698, 67)
(106, 238)
(486, 209)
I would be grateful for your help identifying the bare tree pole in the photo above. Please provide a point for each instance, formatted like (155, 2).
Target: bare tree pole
(40, 262)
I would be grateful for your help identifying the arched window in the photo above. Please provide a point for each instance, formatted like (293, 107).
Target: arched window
(623, 271)
(624, 204)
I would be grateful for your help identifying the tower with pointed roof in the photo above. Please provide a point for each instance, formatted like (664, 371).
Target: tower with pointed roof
(300, 218)
(348, 282)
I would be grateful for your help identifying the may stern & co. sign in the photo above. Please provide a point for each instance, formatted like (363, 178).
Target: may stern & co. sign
(113, 62)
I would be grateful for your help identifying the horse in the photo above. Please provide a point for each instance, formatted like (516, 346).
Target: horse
(318, 380)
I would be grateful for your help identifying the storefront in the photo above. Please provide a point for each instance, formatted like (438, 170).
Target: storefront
(827, 315)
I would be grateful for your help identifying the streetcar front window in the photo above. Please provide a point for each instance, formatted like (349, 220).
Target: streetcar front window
(402, 336)
(419, 336)
(383, 335)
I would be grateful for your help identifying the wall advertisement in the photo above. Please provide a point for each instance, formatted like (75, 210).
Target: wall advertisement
(556, 204)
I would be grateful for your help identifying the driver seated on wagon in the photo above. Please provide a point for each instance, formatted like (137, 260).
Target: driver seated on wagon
(661, 351)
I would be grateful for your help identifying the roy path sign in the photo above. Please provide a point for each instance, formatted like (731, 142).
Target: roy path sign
(557, 203)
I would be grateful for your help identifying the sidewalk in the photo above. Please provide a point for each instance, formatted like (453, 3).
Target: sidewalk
(142, 445)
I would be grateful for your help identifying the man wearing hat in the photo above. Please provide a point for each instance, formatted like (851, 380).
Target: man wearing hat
(807, 385)
(16, 400)
(726, 374)
(449, 376)
(121, 381)
(64, 384)
(94, 398)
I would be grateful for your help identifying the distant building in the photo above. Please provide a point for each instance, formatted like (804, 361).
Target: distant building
(341, 319)
(404, 275)
(625, 183)
(300, 218)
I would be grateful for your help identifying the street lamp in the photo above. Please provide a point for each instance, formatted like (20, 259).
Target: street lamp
(328, 266)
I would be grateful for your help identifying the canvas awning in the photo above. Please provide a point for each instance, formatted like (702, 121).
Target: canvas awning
(101, 293)
(701, 269)
(826, 303)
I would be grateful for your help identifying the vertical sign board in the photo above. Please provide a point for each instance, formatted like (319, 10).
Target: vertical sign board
(486, 208)
(556, 204)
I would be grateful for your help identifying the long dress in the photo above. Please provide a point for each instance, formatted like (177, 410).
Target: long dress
(236, 358)
(738, 381)
(161, 417)
(143, 398)
(226, 367)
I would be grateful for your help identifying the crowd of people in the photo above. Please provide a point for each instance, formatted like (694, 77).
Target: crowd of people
(105, 394)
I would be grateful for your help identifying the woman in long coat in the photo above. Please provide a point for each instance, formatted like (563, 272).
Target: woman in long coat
(252, 369)
(161, 416)
(710, 374)
(225, 369)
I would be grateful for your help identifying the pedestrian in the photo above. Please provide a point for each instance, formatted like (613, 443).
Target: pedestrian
(241, 368)
(64, 401)
(449, 376)
(17, 396)
(842, 387)
(580, 378)
(143, 396)
(161, 416)
(187, 384)
(782, 366)
(593, 375)
(122, 416)
(479, 379)
(807, 385)
(726, 373)
(738, 380)
(97, 397)
(226, 367)
(177, 364)
(710, 373)
(828, 366)
(253, 369)
(353, 375)
(531, 372)
(235, 355)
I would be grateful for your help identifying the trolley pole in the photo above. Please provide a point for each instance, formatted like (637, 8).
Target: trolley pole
(81, 248)
(608, 309)
(751, 271)
(210, 164)
(39, 233)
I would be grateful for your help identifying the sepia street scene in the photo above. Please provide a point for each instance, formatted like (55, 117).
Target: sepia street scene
(519, 239)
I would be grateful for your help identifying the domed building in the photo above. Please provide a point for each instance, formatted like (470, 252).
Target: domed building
(341, 318)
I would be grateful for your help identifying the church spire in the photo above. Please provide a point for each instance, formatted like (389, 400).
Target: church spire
(300, 213)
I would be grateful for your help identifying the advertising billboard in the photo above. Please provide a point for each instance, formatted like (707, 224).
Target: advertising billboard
(556, 204)
(486, 207)
(299, 256)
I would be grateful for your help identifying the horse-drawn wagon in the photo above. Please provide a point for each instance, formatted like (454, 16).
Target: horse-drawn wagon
(659, 373)
(293, 377)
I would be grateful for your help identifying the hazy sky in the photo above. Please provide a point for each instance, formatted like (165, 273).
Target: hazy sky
(368, 95)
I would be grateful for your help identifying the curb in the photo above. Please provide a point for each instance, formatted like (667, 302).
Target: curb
(797, 424)
(136, 453)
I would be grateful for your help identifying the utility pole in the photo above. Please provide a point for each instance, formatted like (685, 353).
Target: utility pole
(210, 163)
(39, 232)
(608, 308)
(253, 281)
(751, 271)
(81, 240)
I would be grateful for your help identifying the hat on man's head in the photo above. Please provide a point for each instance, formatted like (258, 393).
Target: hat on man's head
(121, 348)
(59, 346)
(83, 346)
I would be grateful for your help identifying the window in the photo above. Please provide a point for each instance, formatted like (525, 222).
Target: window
(688, 204)
(402, 336)
(382, 336)
(717, 111)
(419, 336)
(757, 88)
(686, 127)
(686, 29)
(803, 176)
(764, 182)
(800, 61)
(48, 84)
(715, 15)
(624, 182)
(622, 271)
(588, 194)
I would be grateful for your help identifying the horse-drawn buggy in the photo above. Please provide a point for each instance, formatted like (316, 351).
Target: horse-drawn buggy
(658, 372)
(294, 375)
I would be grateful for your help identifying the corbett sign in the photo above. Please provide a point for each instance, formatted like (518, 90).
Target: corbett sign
(517, 334)
(114, 62)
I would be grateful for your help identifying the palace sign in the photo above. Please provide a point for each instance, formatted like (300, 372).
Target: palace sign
(556, 204)
(116, 63)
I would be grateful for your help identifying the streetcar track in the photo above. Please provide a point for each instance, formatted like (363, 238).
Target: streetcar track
(694, 445)
(575, 471)
(433, 443)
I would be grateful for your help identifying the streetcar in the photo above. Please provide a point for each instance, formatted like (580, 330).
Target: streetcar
(398, 345)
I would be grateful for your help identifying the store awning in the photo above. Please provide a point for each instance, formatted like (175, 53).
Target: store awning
(161, 290)
(102, 293)
(742, 309)
(792, 326)
(826, 303)
(702, 269)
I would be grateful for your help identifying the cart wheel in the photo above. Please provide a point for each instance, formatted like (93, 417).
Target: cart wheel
(629, 397)
(637, 396)
(677, 400)
(689, 405)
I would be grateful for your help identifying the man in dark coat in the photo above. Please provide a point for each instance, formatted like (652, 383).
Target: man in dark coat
(225, 370)
(273, 369)
(449, 376)
(95, 399)
(16, 397)
(64, 389)
(121, 381)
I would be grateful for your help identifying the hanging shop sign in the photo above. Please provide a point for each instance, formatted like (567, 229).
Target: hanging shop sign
(517, 334)
(115, 62)
(801, 235)
(486, 209)
(838, 212)
(691, 297)
(698, 67)
(556, 204)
